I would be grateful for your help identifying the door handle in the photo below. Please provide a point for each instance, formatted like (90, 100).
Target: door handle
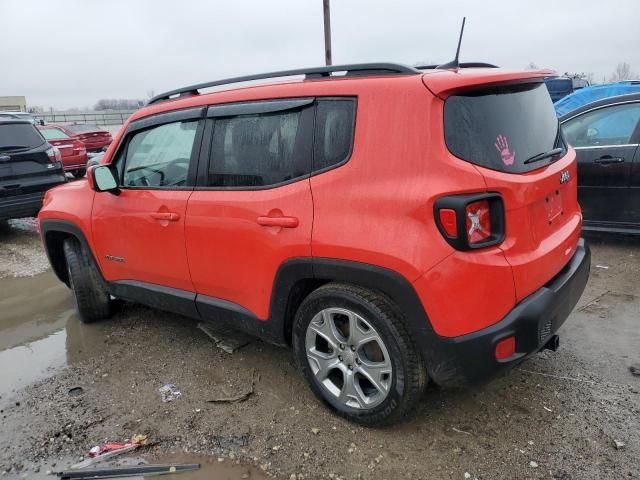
(608, 160)
(166, 216)
(284, 222)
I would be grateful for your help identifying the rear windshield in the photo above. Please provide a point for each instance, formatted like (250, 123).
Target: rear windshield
(502, 127)
(19, 136)
(53, 133)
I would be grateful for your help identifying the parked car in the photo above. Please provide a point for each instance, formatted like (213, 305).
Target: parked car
(393, 225)
(73, 151)
(587, 95)
(95, 138)
(559, 87)
(606, 135)
(29, 166)
(4, 115)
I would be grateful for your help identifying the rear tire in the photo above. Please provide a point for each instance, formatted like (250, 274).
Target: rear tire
(89, 288)
(355, 351)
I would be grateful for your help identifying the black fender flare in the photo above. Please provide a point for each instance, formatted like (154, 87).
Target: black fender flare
(53, 226)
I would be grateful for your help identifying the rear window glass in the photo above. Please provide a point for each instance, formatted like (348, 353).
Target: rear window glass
(17, 136)
(53, 133)
(502, 127)
(334, 134)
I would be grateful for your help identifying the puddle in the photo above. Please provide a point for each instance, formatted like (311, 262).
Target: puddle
(210, 468)
(39, 330)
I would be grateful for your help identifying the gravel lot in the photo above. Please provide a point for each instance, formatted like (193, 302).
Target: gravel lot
(559, 415)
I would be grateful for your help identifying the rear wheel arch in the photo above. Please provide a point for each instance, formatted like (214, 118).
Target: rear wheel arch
(297, 278)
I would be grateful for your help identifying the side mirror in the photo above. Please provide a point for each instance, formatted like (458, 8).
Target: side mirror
(103, 179)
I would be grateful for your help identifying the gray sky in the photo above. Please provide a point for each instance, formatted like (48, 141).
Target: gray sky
(70, 53)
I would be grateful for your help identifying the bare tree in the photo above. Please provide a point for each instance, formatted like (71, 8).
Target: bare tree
(532, 66)
(118, 104)
(623, 72)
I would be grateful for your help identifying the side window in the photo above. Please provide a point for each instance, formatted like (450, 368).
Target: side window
(612, 125)
(259, 150)
(159, 156)
(334, 132)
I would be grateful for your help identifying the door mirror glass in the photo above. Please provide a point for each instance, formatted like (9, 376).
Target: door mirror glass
(103, 179)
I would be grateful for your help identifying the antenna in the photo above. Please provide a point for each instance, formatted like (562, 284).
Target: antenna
(454, 64)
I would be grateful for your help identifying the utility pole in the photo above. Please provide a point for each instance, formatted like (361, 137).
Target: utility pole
(327, 32)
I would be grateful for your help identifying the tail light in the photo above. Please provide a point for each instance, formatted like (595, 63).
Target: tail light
(79, 147)
(471, 221)
(54, 155)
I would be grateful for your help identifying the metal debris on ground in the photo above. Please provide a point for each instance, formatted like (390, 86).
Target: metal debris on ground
(109, 450)
(224, 337)
(129, 471)
(169, 392)
(241, 397)
(619, 445)
(225, 442)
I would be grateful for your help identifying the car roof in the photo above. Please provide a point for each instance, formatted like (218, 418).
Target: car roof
(439, 81)
(631, 97)
(5, 121)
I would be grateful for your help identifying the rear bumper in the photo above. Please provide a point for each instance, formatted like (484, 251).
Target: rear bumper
(20, 206)
(471, 358)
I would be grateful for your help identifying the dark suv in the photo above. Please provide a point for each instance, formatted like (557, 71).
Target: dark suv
(29, 166)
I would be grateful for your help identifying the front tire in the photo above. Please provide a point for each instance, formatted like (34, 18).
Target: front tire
(79, 173)
(89, 288)
(354, 349)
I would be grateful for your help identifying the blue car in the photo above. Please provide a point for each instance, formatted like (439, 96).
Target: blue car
(594, 93)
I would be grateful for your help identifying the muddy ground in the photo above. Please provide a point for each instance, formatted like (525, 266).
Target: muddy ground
(65, 387)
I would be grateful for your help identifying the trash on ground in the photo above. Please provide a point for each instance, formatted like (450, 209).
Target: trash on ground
(225, 442)
(619, 445)
(76, 391)
(169, 392)
(606, 267)
(129, 471)
(108, 450)
(241, 397)
(224, 337)
(533, 464)
(460, 431)
(635, 369)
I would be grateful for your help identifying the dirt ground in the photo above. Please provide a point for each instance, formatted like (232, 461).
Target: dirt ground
(65, 387)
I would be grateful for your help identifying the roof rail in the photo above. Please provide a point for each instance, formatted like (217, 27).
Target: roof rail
(461, 65)
(360, 69)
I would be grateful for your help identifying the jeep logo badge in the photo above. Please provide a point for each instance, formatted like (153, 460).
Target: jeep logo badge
(564, 177)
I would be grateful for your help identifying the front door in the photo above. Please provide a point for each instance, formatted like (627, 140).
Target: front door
(139, 234)
(252, 209)
(604, 143)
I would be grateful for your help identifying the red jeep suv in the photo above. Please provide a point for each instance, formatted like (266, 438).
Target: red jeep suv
(392, 224)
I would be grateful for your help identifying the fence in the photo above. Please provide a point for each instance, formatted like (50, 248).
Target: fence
(104, 118)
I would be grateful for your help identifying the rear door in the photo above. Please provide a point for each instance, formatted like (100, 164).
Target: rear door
(252, 208)
(139, 233)
(25, 166)
(605, 145)
(506, 130)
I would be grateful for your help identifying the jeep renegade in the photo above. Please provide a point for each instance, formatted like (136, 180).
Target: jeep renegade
(392, 224)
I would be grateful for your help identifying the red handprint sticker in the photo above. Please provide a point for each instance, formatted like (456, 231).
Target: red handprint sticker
(502, 145)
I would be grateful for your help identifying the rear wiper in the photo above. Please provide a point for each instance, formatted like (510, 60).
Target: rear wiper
(543, 155)
(5, 148)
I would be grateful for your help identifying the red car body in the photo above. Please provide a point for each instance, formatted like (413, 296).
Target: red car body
(390, 217)
(72, 149)
(95, 139)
